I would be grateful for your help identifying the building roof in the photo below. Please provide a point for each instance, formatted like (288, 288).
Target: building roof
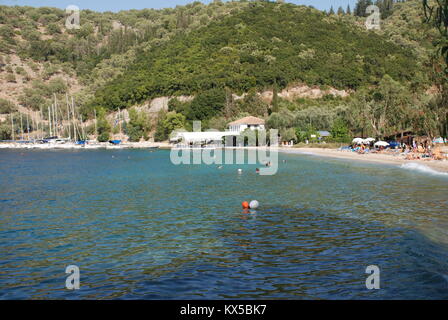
(200, 136)
(324, 134)
(248, 121)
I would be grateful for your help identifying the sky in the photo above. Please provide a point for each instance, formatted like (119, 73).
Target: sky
(117, 5)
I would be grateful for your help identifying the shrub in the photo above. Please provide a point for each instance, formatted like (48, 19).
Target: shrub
(139, 125)
(10, 77)
(5, 132)
(53, 28)
(103, 126)
(7, 106)
(21, 71)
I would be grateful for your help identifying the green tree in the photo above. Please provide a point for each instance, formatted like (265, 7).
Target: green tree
(103, 126)
(207, 104)
(160, 134)
(139, 125)
(280, 120)
(5, 131)
(436, 14)
(167, 123)
(173, 121)
(383, 110)
(339, 129)
(7, 106)
(288, 135)
(253, 104)
(307, 133)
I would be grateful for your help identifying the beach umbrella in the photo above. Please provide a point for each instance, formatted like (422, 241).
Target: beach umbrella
(358, 140)
(381, 144)
(439, 140)
(371, 140)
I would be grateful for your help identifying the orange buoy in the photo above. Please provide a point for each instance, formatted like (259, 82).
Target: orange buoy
(246, 205)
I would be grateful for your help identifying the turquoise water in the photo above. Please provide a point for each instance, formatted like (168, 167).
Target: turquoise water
(139, 227)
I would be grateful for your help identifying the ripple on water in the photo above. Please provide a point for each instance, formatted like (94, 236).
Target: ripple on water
(152, 230)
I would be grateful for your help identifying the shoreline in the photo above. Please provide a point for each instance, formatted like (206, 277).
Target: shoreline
(440, 166)
(93, 146)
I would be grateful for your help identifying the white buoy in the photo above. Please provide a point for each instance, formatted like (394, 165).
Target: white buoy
(254, 204)
(240, 171)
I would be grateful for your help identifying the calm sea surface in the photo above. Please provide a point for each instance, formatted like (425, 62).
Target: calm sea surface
(139, 227)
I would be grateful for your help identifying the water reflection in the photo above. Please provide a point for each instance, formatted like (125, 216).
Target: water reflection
(151, 230)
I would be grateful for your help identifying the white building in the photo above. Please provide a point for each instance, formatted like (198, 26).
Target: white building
(200, 138)
(214, 138)
(241, 125)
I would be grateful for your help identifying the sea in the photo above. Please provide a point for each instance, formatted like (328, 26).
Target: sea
(136, 226)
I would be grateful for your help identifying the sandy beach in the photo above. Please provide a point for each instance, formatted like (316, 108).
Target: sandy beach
(441, 166)
(394, 159)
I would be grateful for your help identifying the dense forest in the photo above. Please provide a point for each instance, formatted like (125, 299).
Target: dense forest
(224, 56)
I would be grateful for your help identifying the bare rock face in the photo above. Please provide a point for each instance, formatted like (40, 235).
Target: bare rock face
(304, 91)
(298, 91)
(184, 98)
(237, 97)
(433, 90)
(158, 104)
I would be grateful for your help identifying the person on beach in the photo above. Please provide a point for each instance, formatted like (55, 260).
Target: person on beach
(438, 155)
(421, 149)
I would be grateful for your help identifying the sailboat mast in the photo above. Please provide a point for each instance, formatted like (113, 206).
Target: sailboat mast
(34, 124)
(12, 127)
(21, 127)
(74, 123)
(96, 125)
(41, 124)
(68, 117)
(49, 123)
(82, 130)
(28, 126)
(119, 122)
(54, 121)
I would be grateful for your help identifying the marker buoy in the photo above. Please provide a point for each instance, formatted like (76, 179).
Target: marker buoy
(240, 171)
(254, 204)
(246, 205)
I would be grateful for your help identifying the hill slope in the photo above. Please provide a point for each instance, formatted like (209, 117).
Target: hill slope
(264, 44)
